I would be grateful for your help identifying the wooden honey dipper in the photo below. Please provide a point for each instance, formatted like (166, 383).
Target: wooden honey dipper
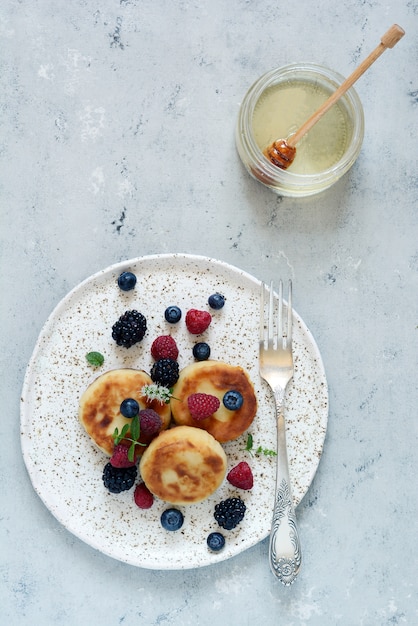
(283, 151)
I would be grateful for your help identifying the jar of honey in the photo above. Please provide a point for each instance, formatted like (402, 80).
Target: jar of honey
(277, 105)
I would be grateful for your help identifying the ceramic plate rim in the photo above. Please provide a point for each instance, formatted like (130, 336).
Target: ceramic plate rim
(26, 425)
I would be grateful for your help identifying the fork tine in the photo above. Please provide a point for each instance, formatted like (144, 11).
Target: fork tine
(262, 321)
(271, 326)
(289, 316)
(280, 314)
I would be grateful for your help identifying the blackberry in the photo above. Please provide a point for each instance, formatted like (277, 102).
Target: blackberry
(129, 329)
(230, 512)
(165, 372)
(117, 479)
(201, 351)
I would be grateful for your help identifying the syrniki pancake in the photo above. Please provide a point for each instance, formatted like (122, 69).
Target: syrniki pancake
(99, 410)
(215, 378)
(183, 465)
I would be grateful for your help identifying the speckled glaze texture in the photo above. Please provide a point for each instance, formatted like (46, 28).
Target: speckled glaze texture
(66, 468)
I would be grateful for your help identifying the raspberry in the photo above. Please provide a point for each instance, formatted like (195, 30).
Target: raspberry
(197, 321)
(164, 347)
(230, 512)
(120, 457)
(241, 476)
(202, 405)
(143, 497)
(165, 372)
(151, 423)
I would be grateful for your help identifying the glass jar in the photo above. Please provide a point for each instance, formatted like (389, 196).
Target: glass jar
(276, 105)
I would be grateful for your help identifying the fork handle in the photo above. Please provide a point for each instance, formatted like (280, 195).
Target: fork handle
(284, 549)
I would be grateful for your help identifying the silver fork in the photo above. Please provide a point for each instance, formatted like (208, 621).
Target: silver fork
(276, 368)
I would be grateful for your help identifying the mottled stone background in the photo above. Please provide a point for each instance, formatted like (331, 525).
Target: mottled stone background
(117, 140)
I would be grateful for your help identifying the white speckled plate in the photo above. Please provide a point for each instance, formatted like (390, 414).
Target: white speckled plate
(65, 466)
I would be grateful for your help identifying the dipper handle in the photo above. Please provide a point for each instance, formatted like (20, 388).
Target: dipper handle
(388, 40)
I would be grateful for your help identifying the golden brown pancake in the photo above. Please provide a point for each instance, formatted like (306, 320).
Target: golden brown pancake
(183, 465)
(215, 378)
(99, 410)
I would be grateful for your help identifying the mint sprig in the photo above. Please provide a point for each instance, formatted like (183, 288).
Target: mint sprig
(249, 447)
(134, 430)
(265, 451)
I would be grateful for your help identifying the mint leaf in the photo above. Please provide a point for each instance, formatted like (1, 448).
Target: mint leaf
(249, 445)
(117, 437)
(131, 451)
(95, 358)
(135, 431)
(124, 431)
(135, 428)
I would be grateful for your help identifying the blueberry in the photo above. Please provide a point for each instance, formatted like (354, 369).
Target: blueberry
(127, 281)
(216, 301)
(172, 519)
(233, 400)
(215, 541)
(129, 407)
(172, 314)
(201, 351)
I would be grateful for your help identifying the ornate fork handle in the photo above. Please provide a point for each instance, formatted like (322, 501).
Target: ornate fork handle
(284, 550)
